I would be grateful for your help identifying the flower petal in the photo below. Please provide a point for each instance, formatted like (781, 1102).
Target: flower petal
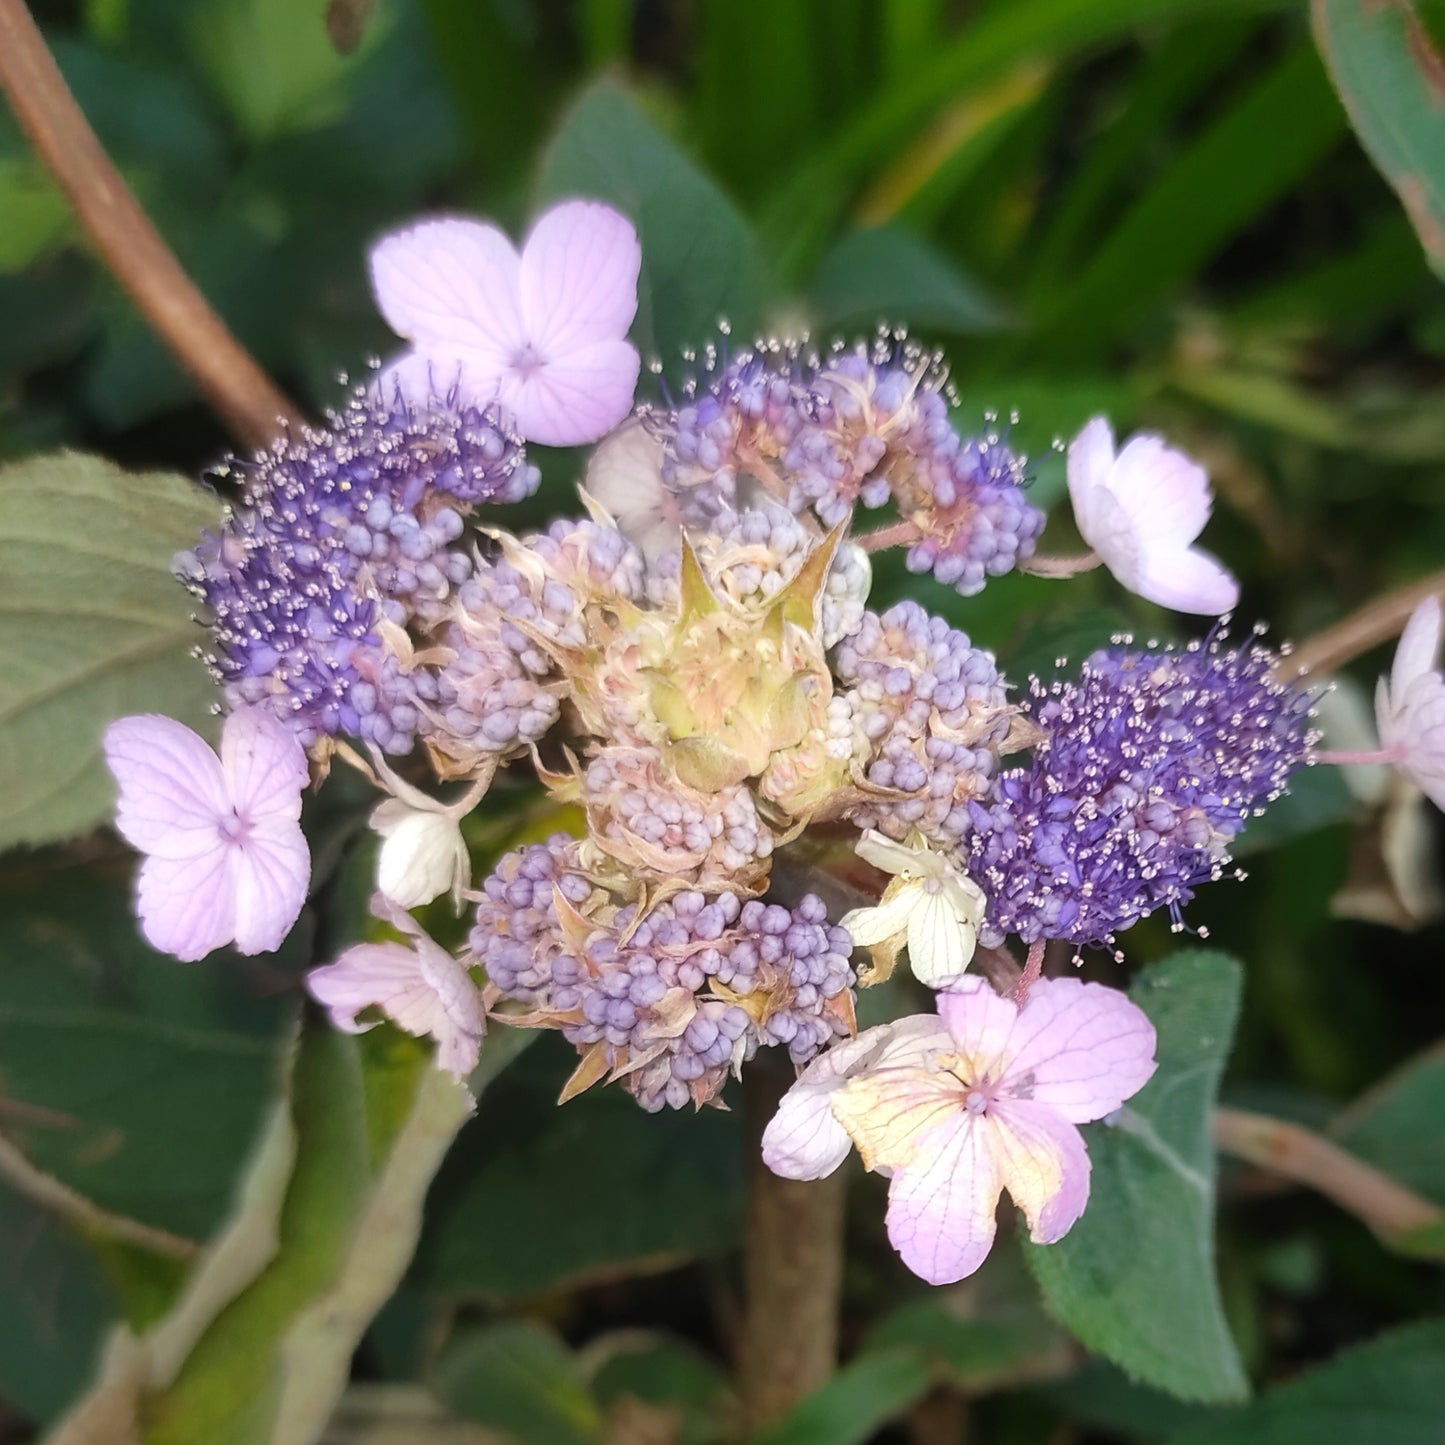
(1165, 492)
(1079, 1048)
(172, 791)
(940, 944)
(889, 1107)
(264, 765)
(1091, 456)
(575, 398)
(1042, 1163)
(578, 278)
(804, 1140)
(941, 1205)
(1187, 581)
(624, 474)
(885, 919)
(1112, 534)
(980, 1022)
(187, 906)
(451, 286)
(1418, 649)
(270, 868)
(422, 990)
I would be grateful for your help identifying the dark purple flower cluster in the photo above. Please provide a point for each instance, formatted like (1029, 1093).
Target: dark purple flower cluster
(1147, 767)
(930, 710)
(853, 428)
(677, 1002)
(339, 530)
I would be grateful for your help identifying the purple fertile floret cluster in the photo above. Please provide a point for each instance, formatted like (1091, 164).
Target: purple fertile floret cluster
(338, 531)
(1149, 765)
(664, 999)
(931, 710)
(829, 433)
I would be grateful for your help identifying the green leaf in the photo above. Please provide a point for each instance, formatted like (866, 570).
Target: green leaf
(92, 626)
(521, 1379)
(886, 273)
(862, 1396)
(699, 259)
(802, 208)
(1388, 1392)
(1391, 79)
(1396, 1126)
(605, 1188)
(36, 214)
(1220, 183)
(259, 1349)
(58, 1305)
(988, 1335)
(668, 1374)
(1134, 1279)
(273, 63)
(137, 1081)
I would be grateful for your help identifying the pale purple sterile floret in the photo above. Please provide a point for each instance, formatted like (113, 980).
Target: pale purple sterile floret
(663, 999)
(340, 530)
(1148, 766)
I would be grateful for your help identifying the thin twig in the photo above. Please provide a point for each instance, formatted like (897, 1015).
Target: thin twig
(231, 381)
(1296, 1153)
(1377, 621)
(48, 1192)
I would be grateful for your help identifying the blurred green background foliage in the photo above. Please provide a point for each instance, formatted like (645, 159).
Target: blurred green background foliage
(1153, 208)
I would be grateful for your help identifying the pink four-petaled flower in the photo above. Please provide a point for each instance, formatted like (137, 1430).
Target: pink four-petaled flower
(226, 860)
(959, 1106)
(543, 332)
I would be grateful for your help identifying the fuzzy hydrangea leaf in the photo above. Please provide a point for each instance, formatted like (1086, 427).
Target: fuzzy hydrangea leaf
(850, 1407)
(1134, 1279)
(699, 259)
(1391, 78)
(658, 1187)
(1396, 1125)
(1391, 1391)
(92, 626)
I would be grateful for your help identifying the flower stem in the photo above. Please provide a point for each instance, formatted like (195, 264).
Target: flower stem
(792, 1265)
(1033, 967)
(239, 391)
(1295, 1153)
(897, 534)
(1061, 566)
(1376, 622)
(1376, 755)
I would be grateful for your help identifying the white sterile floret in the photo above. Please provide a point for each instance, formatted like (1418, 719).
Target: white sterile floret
(1141, 512)
(930, 905)
(423, 854)
(1410, 704)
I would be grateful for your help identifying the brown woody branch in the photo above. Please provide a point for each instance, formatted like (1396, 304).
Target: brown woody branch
(227, 376)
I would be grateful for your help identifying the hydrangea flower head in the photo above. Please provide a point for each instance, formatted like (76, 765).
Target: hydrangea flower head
(419, 986)
(542, 332)
(956, 1109)
(226, 861)
(1141, 512)
(1410, 704)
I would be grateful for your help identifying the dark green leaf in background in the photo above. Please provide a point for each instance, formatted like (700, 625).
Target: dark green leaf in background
(521, 1379)
(534, 1194)
(1390, 1391)
(1135, 1279)
(699, 259)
